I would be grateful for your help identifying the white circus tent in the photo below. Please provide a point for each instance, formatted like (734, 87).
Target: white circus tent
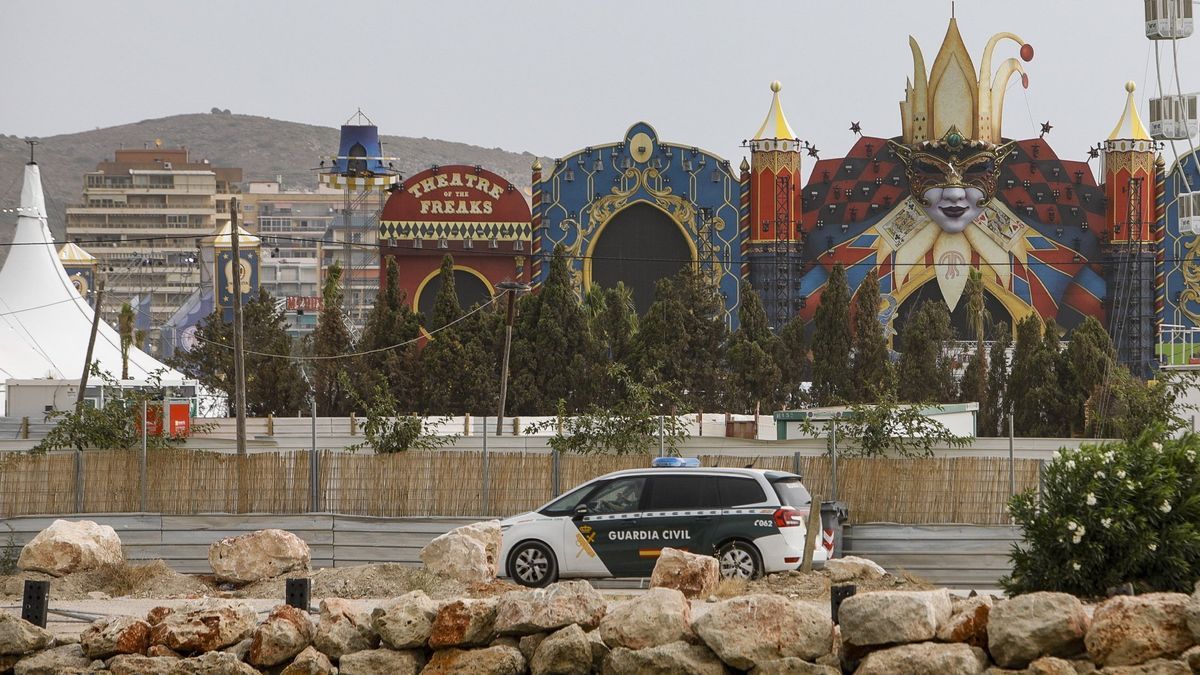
(44, 323)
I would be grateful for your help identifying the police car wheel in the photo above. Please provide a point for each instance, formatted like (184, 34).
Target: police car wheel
(739, 560)
(532, 564)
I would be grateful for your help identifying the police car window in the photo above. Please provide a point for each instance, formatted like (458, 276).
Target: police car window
(792, 492)
(568, 502)
(682, 492)
(740, 491)
(622, 495)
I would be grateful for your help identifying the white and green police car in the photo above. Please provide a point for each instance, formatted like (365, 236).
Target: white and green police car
(616, 525)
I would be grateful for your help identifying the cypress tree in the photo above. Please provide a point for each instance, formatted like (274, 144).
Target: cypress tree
(1033, 381)
(524, 398)
(791, 355)
(1089, 358)
(993, 413)
(442, 359)
(561, 341)
(331, 338)
(754, 377)
(681, 339)
(925, 369)
(391, 322)
(831, 379)
(273, 385)
(974, 382)
(871, 369)
(125, 329)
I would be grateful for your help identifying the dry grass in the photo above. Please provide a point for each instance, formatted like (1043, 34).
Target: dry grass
(731, 588)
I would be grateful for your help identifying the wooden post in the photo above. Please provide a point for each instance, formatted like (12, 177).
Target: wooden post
(239, 363)
(353, 424)
(270, 424)
(467, 425)
(87, 359)
(25, 427)
(810, 532)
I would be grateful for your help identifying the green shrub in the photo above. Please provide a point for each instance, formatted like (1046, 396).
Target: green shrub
(1110, 514)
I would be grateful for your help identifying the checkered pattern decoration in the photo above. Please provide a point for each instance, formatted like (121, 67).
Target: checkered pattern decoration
(408, 229)
(338, 181)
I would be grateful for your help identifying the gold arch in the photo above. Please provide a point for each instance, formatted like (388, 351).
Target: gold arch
(598, 229)
(429, 277)
(1016, 307)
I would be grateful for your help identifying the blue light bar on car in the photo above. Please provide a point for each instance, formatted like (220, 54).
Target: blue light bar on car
(675, 462)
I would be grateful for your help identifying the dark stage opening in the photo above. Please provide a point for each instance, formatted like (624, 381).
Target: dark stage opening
(469, 288)
(959, 320)
(639, 246)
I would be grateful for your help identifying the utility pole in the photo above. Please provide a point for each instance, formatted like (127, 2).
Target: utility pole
(87, 359)
(239, 364)
(512, 288)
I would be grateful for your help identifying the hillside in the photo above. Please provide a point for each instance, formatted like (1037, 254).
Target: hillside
(261, 146)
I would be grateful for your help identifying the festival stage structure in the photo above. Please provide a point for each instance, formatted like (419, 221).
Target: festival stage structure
(45, 322)
(474, 215)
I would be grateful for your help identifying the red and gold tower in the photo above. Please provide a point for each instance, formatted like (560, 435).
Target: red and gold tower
(775, 212)
(1131, 215)
(1129, 180)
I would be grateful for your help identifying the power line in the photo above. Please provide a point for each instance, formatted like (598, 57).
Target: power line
(356, 354)
(727, 260)
(30, 309)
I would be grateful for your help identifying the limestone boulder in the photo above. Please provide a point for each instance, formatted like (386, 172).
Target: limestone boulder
(925, 658)
(157, 614)
(969, 622)
(114, 635)
(240, 649)
(254, 556)
(382, 662)
(547, 609)
(1127, 630)
(464, 623)
(658, 617)
(1052, 665)
(893, 617)
(1026, 627)
(1192, 658)
(71, 546)
(56, 661)
(1193, 614)
(341, 629)
(282, 635)
(794, 666)
(212, 663)
(18, 636)
(204, 626)
(753, 629)
(528, 644)
(498, 660)
(405, 622)
(851, 568)
(600, 650)
(159, 650)
(563, 652)
(469, 553)
(675, 658)
(1154, 667)
(136, 664)
(696, 576)
(309, 662)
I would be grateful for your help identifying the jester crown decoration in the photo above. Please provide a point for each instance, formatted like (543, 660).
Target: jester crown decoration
(953, 149)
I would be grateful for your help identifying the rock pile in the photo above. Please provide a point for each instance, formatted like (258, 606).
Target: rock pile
(569, 628)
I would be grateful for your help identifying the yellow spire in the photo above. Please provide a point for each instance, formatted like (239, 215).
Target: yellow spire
(776, 126)
(1129, 127)
(71, 253)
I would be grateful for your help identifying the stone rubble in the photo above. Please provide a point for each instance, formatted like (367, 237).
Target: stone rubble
(71, 546)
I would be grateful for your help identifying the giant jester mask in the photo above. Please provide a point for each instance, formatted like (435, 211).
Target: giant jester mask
(952, 178)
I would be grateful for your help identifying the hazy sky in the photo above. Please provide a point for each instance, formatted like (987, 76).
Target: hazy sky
(553, 76)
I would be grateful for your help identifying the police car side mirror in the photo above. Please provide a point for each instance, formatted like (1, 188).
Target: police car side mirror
(580, 512)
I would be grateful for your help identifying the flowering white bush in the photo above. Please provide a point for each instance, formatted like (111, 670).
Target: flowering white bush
(1109, 514)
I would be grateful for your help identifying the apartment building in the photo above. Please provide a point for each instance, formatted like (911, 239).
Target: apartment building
(142, 216)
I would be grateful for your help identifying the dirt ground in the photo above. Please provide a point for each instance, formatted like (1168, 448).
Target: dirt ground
(156, 580)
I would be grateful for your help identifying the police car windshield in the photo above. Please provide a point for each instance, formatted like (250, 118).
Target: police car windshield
(792, 492)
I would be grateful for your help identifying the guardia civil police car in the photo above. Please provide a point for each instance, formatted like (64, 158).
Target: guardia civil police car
(616, 525)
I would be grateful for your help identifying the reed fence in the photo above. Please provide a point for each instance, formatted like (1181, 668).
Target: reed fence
(966, 490)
